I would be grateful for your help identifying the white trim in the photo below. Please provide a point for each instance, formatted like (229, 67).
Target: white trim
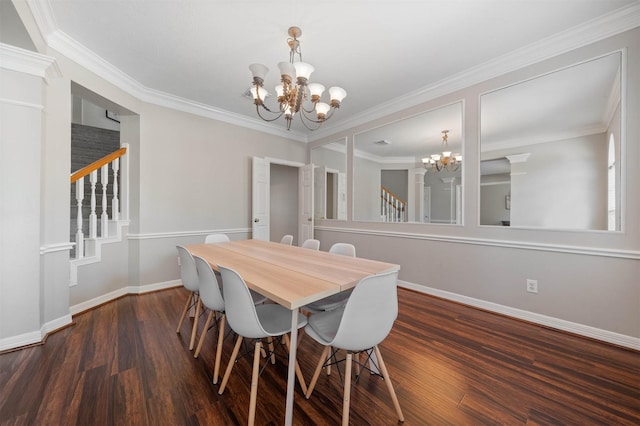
(97, 301)
(28, 62)
(52, 248)
(556, 323)
(21, 104)
(34, 337)
(56, 324)
(20, 340)
(616, 22)
(78, 53)
(150, 236)
(557, 248)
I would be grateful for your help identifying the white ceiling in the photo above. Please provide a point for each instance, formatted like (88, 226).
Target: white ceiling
(385, 53)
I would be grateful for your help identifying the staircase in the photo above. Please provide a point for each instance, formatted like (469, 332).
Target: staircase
(95, 193)
(392, 207)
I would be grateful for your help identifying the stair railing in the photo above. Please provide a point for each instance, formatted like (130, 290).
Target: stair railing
(392, 207)
(91, 170)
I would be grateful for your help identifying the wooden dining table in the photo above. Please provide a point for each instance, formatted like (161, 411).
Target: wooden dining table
(290, 276)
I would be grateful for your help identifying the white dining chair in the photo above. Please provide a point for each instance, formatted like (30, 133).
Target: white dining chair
(339, 299)
(287, 239)
(254, 322)
(212, 299)
(216, 238)
(311, 244)
(364, 322)
(190, 281)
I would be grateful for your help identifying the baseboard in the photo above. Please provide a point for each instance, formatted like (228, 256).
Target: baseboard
(34, 337)
(543, 320)
(20, 340)
(100, 300)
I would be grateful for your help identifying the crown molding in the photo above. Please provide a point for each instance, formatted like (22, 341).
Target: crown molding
(616, 22)
(67, 46)
(28, 62)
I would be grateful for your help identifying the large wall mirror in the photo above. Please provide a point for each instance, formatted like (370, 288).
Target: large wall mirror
(392, 183)
(330, 180)
(550, 150)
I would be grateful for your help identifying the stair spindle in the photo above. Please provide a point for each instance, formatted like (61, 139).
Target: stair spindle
(79, 233)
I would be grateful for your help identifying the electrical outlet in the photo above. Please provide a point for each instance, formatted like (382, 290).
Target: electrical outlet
(532, 286)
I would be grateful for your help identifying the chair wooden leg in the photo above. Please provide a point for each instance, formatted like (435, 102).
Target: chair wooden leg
(194, 328)
(347, 390)
(385, 374)
(184, 312)
(303, 385)
(357, 363)
(204, 333)
(216, 368)
(271, 350)
(316, 374)
(232, 361)
(254, 384)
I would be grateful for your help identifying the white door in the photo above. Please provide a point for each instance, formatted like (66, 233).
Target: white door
(320, 188)
(305, 202)
(342, 196)
(260, 199)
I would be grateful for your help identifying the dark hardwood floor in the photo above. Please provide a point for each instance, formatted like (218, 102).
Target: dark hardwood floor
(123, 364)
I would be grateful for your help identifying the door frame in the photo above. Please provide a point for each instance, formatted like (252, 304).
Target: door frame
(268, 161)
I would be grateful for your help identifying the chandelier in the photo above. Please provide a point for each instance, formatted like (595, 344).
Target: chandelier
(445, 160)
(295, 95)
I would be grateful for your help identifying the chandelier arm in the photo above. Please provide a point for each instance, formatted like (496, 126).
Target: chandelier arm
(311, 119)
(304, 119)
(268, 119)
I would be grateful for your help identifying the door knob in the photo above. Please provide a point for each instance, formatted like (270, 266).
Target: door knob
(256, 220)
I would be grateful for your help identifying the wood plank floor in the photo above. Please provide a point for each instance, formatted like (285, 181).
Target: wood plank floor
(123, 364)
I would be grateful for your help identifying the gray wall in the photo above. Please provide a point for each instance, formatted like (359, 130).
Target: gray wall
(587, 279)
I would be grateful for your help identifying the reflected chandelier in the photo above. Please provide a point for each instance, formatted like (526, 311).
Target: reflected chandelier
(445, 160)
(295, 90)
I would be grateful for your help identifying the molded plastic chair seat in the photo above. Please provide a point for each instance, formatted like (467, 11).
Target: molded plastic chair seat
(190, 281)
(311, 244)
(337, 300)
(287, 239)
(211, 297)
(364, 322)
(255, 322)
(216, 238)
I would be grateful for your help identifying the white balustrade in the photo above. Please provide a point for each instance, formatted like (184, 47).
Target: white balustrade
(93, 218)
(392, 208)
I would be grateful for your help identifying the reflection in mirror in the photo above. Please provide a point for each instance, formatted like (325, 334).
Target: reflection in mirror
(330, 180)
(550, 150)
(391, 181)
